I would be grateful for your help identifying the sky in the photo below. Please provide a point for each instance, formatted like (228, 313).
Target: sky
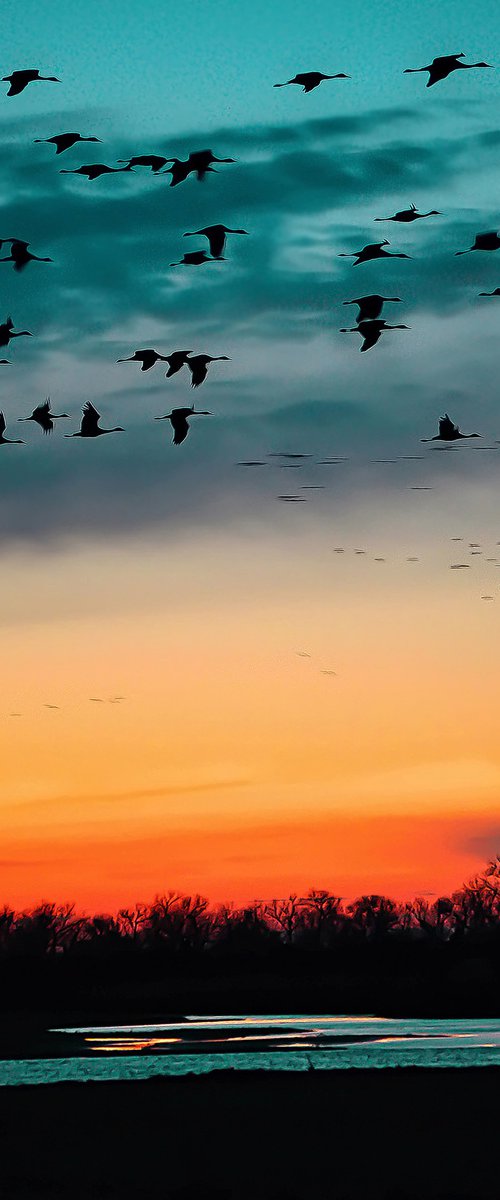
(309, 691)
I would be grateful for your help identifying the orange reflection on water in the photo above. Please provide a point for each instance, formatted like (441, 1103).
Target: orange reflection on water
(112, 1045)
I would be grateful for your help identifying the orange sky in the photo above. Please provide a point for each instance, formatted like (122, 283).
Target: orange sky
(234, 767)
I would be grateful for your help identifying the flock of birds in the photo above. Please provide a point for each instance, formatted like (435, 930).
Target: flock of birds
(370, 323)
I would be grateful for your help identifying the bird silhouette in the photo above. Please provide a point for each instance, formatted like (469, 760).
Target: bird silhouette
(89, 427)
(410, 214)
(179, 170)
(19, 80)
(155, 161)
(7, 332)
(94, 170)
(252, 462)
(310, 80)
(201, 162)
(176, 360)
(496, 292)
(448, 432)
(44, 417)
(64, 141)
(371, 331)
(7, 441)
(483, 241)
(198, 365)
(441, 67)
(147, 358)
(370, 307)
(283, 454)
(373, 250)
(216, 235)
(194, 259)
(19, 255)
(179, 421)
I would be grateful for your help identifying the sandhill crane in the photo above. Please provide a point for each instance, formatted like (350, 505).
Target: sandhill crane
(198, 365)
(179, 421)
(7, 332)
(410, 214)
(155, 161)
(44, 417)
(441, 67)
(483, 241)
(216, 235)
(64, 141)
(176, 360)
(194, 259)
(147, 358)
(89, 427)
(310, 80)
(370, 332)
(7, 441)
(373, 250)
(20, 256)
(19, 80)
(94, 170)
(370, 307)
(448, 432)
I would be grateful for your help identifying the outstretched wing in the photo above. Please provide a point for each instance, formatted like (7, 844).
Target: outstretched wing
(370, 335)
(90, 419)
(2, 424)
(198, 372)
(180, 426)
(216, 240)
(41, 414)
(446, 426)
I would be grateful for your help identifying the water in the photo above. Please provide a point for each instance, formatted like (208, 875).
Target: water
(197, 1045)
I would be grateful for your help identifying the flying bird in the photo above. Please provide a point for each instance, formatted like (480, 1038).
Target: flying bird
(370, 307)
(280, 454)
(198, 365)
(496, 292)
(20, 256)
(194, 259)
(94, 170)
(7, 332)
(179, 421)
(410, 214)
(310, 80)
(373, 250)
(176, 361)
(484, 241)
(44, 417)
(252, 463)
(370, 332)
(441, 67)
(216, 235)
(19, 80)
(64, 141)
(89, 427)
(155, 161)
(292, 499)
(3, 440)
(147, 358)
(448, 432)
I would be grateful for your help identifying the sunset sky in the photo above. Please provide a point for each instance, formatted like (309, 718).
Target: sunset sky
(175, 578)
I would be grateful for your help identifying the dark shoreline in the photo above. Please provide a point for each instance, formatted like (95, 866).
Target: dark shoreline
(402, 1134)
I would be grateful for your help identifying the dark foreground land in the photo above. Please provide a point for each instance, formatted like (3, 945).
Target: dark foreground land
(404, 1134)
